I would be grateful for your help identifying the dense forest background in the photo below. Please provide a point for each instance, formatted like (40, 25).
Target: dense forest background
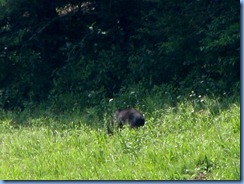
(85, 51)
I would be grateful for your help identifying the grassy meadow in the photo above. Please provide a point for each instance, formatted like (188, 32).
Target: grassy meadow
(195, 138)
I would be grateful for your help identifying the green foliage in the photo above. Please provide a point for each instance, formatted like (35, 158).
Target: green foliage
(49, 50)
(198, 138)
(66, 66)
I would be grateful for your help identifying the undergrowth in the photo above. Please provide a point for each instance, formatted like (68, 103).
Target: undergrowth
(192, 138)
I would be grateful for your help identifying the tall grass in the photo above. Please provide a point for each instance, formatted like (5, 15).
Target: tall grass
(193, 139)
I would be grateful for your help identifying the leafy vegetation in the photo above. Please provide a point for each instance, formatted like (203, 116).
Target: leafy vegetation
(198, 138)
(77, 48)
(67, 65)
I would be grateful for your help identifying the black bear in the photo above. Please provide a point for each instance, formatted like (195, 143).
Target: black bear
(130, 116)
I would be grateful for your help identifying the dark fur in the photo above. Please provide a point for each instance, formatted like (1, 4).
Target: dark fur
(131, 116)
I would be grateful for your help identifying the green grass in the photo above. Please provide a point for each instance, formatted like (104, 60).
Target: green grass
(191, 140)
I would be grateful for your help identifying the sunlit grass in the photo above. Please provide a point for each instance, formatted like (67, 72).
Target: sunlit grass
(185, 142)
